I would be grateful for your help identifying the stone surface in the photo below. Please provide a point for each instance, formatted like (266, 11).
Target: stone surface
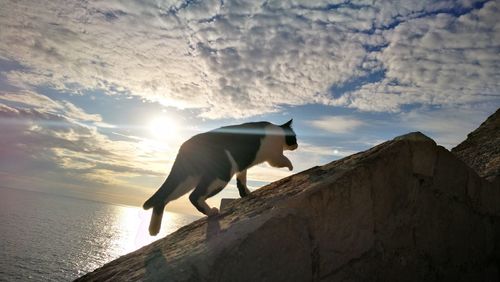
(481, 149)
(224, 203)
(405, 210)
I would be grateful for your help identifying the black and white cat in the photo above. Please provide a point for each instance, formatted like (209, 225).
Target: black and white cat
(209, 160)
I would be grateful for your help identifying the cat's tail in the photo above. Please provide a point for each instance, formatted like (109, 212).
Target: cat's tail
(155, 223)
(157, 202)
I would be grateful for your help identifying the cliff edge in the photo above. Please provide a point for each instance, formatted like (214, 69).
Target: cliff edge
(405, 210)
(481, 149)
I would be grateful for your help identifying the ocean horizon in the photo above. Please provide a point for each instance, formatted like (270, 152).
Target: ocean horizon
(59, 238)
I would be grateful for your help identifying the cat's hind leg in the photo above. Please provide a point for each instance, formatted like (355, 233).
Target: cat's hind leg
(207, 188)
(241, 183)
(174, 187)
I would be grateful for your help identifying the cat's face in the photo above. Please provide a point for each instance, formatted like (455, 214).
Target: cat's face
(290, 136)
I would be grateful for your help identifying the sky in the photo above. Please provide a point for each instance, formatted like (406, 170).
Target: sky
(97, 96)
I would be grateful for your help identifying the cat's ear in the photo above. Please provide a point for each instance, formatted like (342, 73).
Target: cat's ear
(288, 123)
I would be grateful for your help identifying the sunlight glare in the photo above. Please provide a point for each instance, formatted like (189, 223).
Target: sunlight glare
(132, 228)
(163, 128)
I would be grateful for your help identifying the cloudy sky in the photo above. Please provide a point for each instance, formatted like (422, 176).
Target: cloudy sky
(97, 96)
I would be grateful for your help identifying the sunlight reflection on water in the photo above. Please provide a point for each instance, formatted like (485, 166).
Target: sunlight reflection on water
(133, 224)
(53, 238)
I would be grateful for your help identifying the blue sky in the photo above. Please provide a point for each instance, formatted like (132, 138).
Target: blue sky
(96, 97)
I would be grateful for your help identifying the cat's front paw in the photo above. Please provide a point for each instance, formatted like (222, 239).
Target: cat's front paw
(213, 212)
(290, 167)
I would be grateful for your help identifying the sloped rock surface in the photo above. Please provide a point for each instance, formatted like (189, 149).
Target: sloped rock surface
(406, 210)
(481, 149)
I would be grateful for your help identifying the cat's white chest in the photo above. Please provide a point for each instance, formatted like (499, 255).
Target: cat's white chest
(270, 146)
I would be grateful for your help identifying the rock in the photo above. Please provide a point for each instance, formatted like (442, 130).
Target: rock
(405, 210)
(224, 203)
(481, 149)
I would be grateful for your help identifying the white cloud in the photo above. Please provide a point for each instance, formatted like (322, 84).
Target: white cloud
(315, 151)
(50, 146)
(45, 104)
(437, 60)
(305, 157)
(337, 124)
(267, 174)
(244, 58)
(77, 113)
(32, 99)
(448, 126)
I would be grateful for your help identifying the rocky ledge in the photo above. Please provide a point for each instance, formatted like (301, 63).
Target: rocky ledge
(405, 210)
(481, 149)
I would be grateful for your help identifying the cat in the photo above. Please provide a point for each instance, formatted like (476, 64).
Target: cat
(207, 162)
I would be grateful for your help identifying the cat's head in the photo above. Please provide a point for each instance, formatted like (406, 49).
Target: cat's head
(290, 137)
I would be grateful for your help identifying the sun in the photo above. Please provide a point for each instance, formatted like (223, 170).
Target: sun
(163, 128)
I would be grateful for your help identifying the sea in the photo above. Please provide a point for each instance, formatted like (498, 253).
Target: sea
(46, 237)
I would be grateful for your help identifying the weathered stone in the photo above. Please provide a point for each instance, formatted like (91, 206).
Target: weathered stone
(224, 203)
(481, 149)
